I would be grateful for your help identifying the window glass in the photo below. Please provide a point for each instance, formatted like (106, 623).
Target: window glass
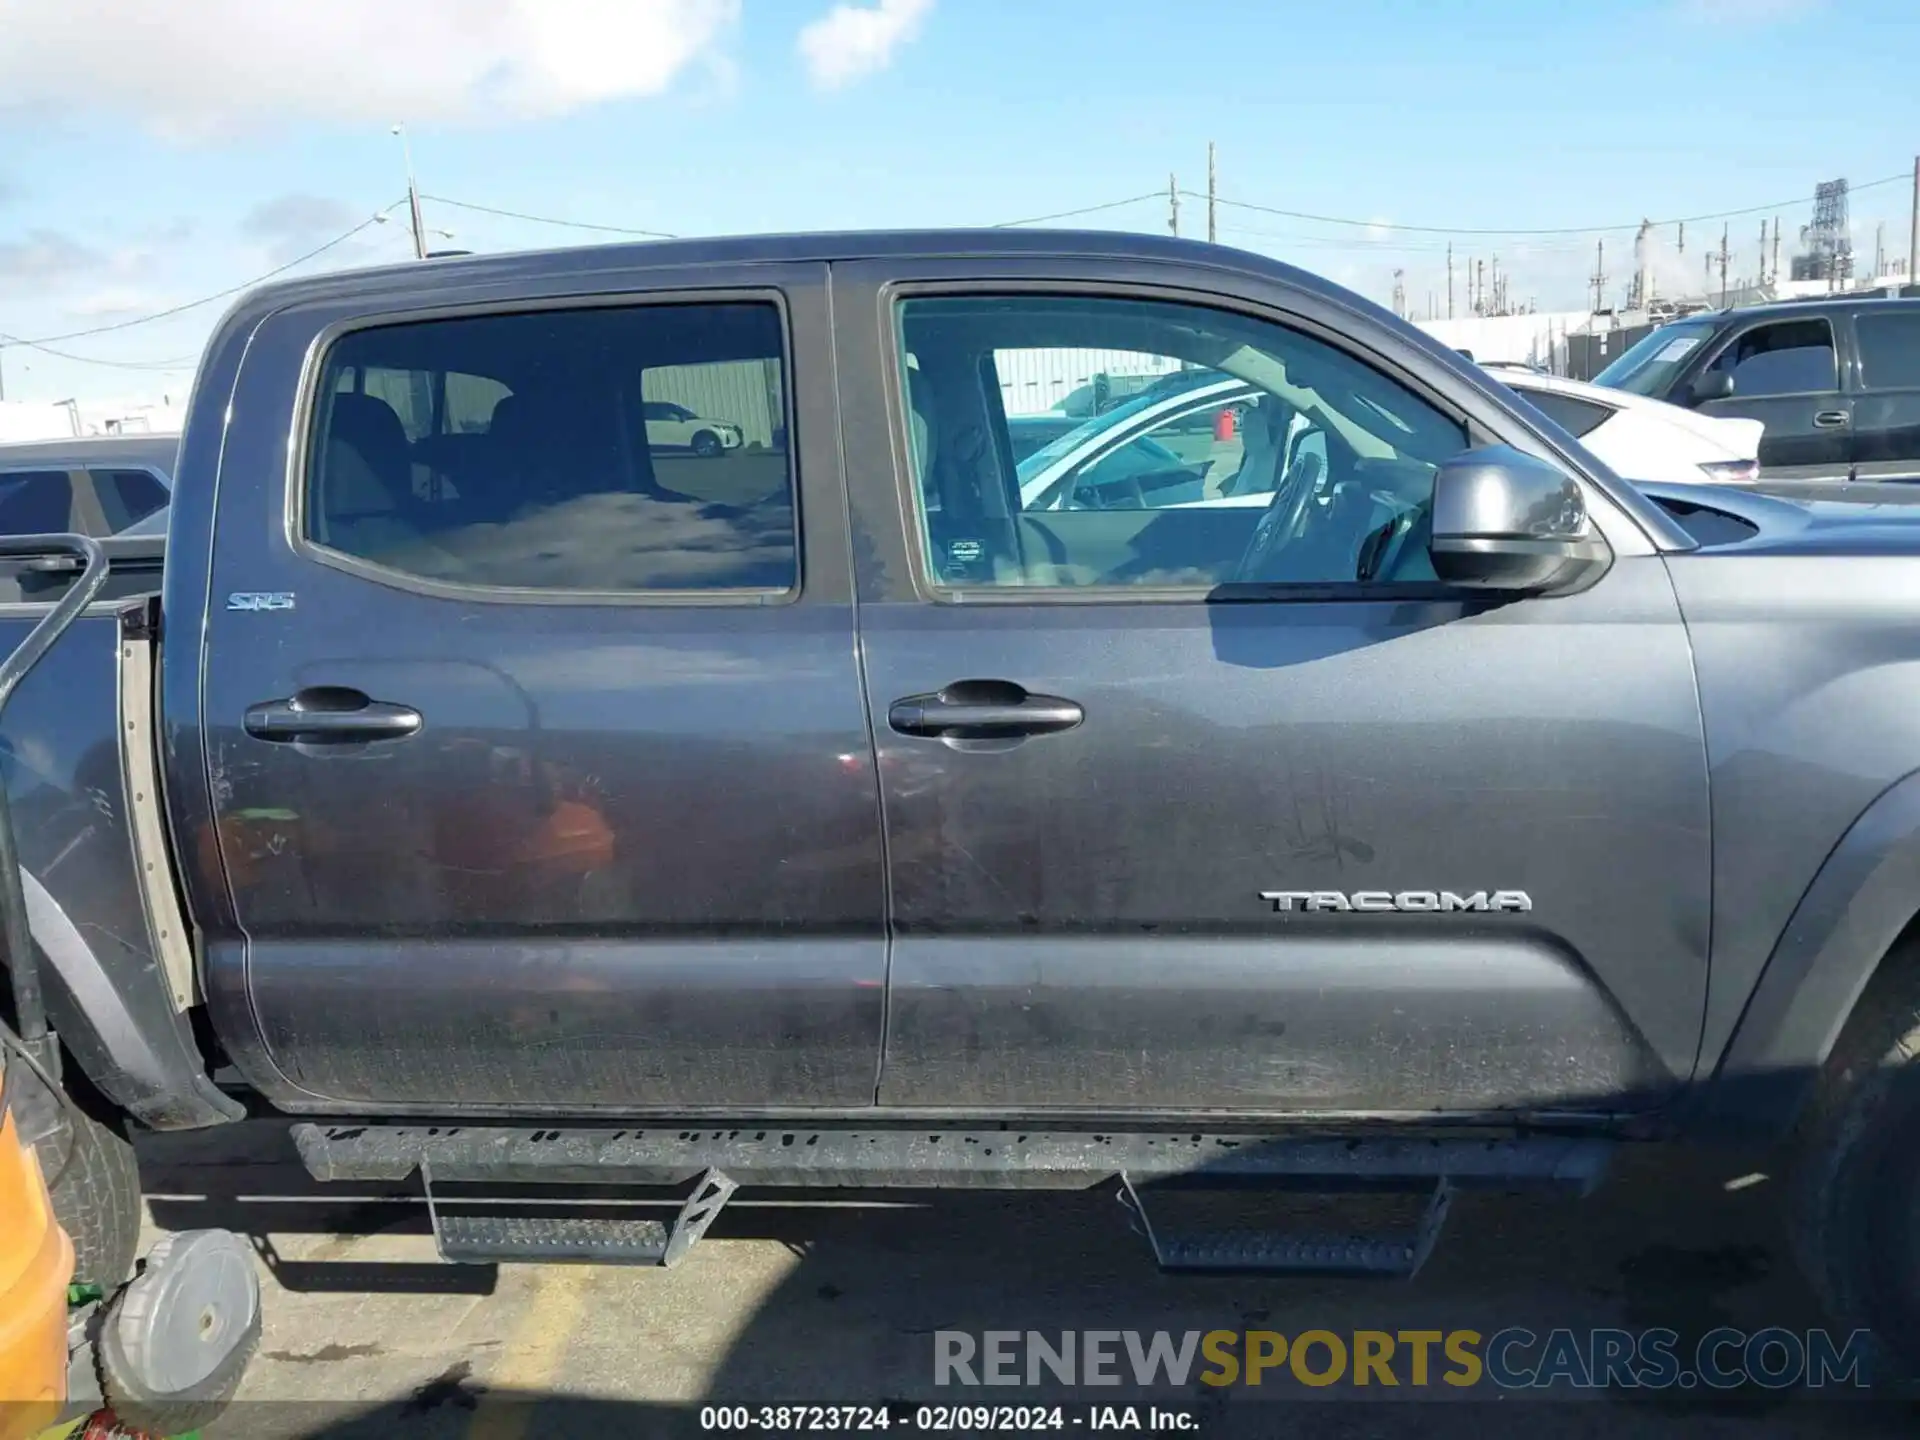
(1889, 349)
(127, 496)
(1790, 358)
(1241, 452)
(536, 464)
(1648, 367)
(469, 402)
(1575, 416)
(35, 502)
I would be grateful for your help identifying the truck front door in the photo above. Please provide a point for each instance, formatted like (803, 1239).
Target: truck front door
(1786, 374)
(1181, 820)
(538, 752)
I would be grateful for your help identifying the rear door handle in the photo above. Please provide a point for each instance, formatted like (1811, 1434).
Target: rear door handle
(982, 710)
(1830, 419)
(330, 713)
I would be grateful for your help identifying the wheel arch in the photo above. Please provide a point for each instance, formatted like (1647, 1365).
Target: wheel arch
(1851, 922)
(119, 1024)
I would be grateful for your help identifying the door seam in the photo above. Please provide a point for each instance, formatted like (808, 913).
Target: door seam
(866, 698)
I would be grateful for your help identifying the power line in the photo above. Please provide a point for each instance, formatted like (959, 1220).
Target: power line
(1083, 210)
(173, 364)
(40, 340)
(1555, 230)
(549, 219)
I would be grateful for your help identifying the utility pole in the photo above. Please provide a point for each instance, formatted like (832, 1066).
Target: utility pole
(1599, 280)
(1879, 250)
(1400, 294)
(1173, 204)
(413, 198)
(1913, 235)
(1723, 267)
(1496, 285)
(1480, 287)
(1213, 193)
(1682, 247)
(1774, 268)
(1762, 278)
(1449, 280)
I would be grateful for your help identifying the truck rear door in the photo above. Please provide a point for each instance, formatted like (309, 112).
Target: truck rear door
(1166, 838)
(538, 753)
(1886, 399)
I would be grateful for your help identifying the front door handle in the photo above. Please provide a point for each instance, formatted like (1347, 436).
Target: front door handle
(330, 713)
(983, 710)
(1830, 419)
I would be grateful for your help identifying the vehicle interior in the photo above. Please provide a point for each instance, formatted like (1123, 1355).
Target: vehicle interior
(1347, 455)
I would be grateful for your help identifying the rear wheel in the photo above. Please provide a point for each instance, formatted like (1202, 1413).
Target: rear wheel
(1856, 1216)
(96, 1199)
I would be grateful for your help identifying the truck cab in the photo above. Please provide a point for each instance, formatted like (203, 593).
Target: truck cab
(514, 790)
(1835, 380)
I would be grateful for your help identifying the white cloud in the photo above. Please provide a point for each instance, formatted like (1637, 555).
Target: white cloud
(852, 41)
(44, 257)
(190, 68)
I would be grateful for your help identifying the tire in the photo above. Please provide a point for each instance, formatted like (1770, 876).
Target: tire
(706, 444)
(96, 1199)
(1856, 1187)
(141, 1340)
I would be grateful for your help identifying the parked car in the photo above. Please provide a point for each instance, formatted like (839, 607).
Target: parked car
(675, 427)
(1835, 381)
(1121, 458)
(89, 485)
(1639, 437)
(1449, 818)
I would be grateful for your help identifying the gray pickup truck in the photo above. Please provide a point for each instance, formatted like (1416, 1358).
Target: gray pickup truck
(498, 791)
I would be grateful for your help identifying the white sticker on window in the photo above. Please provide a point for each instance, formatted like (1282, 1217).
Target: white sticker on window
(1678, 349)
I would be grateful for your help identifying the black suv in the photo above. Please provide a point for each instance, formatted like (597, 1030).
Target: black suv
(1835, 380)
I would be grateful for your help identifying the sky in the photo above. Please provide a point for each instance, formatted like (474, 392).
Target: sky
(153, 155)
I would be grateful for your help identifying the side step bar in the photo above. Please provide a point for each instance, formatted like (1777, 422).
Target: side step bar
(1270, 1252)
(1150, 1169)
(473, 1233)
(938, 1159)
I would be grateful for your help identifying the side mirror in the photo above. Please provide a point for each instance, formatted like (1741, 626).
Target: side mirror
(1713, 385)
(1504, 520)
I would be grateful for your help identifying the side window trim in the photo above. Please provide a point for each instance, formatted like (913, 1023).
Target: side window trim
(309, 395)
(893, 297)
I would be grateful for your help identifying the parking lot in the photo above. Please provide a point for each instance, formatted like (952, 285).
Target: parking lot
(819, 1300)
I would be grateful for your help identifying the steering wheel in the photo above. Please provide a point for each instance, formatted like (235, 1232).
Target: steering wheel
(1280, 520)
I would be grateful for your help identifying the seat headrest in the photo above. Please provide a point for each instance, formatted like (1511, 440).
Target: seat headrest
(369, 425)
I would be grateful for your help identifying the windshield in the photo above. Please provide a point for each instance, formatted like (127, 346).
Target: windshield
(1061, 444)
(1648, 368)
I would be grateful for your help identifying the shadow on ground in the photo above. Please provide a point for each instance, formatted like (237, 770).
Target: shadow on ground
(792, 1303)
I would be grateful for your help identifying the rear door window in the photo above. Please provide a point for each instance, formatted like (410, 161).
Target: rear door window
(127, 496)
(517, 451)
(1889, 349)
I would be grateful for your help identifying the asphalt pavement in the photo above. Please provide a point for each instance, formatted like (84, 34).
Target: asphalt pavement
(829, 1301)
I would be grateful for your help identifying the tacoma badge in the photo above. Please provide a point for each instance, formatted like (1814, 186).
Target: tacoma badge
(1406, 901)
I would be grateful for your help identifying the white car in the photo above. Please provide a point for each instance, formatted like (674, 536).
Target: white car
(1638, 437)
(674, 427)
